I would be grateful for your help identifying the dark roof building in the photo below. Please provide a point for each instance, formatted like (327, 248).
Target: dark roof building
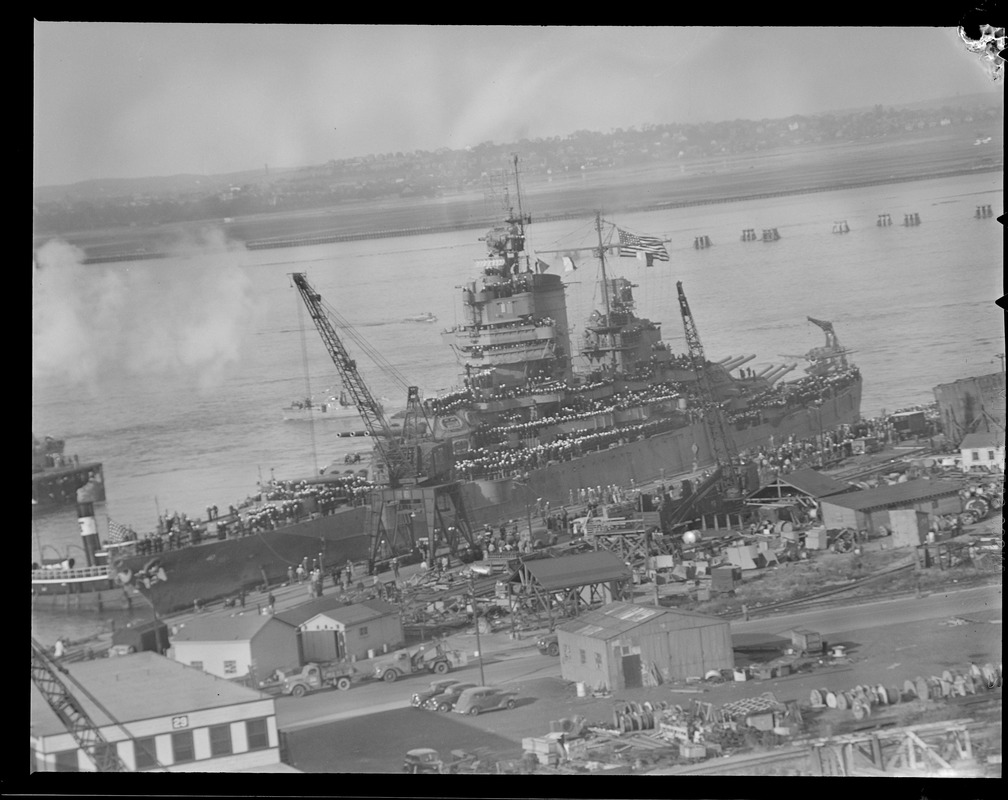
(571, 583)
(868, 510)
(806, 482)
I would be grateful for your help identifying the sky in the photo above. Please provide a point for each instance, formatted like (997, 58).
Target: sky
(127, 100)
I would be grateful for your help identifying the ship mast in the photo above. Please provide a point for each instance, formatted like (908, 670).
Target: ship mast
(521, 216)
(605, 289)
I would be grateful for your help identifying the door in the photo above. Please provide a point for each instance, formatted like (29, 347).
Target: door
(632, 671)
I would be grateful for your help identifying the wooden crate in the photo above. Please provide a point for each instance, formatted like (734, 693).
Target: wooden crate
(806, 641)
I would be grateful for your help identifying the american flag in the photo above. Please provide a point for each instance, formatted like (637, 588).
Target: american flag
(632, 246)
(118, 533)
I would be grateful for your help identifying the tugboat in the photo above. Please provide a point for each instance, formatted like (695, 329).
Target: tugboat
(425, 317)
(56, 477)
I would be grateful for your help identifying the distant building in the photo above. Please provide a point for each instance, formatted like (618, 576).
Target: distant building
(228, 646)
(329, 630)
(971, 405)
(868, 510)
(159, 715)
(985, 450)
(625, 646)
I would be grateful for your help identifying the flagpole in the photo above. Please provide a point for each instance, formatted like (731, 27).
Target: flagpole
(605, 289)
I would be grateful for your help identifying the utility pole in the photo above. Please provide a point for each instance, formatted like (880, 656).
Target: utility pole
(479, 648)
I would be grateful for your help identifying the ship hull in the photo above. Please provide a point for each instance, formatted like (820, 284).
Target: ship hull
(658, 457)
(214, 570)
(220, 569)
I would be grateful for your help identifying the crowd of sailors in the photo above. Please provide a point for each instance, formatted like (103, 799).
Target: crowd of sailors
(809, 390)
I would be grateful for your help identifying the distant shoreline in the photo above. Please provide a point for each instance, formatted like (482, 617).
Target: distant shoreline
(665, 186)
(335, 236)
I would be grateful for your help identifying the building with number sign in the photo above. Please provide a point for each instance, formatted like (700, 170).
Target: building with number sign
(159, 715)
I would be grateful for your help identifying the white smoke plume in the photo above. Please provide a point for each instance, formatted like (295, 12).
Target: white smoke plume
(185, 316)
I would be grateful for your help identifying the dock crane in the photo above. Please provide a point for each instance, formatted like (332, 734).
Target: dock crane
(409, 489)
(87, 735)
(716, 425)
(400, 470)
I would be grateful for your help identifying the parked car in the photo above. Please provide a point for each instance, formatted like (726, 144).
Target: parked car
(484, 698)
(447, 699)
(549, 645)
(423, 759)
(437, 687)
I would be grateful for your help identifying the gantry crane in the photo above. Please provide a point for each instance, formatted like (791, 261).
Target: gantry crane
(71, 713)
(409, 490)
(717, 427)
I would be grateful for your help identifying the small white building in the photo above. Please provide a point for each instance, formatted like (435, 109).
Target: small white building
(985, 450)
(159, 715)
(229, 645)
(330, 630)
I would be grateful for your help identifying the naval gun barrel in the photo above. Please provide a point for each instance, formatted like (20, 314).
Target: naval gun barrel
(780, 372)
(737, 362)
(764, 372)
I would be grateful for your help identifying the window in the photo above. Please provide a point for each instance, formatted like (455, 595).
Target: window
(66, 761)
(584, 657)
(230, 667)
(934, 504)
(144, 752)
(103, 752)
(257, 733)
(362, 631)
(976, 455)
(990, 455)
(598, 661)
(220, 740)
(182, 747)
(197, 664)
(566, 652)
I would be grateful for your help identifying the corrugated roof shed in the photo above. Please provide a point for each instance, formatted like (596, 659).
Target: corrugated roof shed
(908, 492)
(978, 441)
(619, 617)
(237, 628)
(813, 483)
(334, 608)
(139, 686)
(577, 570)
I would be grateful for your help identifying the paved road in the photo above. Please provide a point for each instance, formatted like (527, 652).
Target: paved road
(377, 696)
(525, 663)
(863, 616)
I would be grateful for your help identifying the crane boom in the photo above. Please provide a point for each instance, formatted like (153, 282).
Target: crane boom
(70, 712)
(720, 437)
(399, 467)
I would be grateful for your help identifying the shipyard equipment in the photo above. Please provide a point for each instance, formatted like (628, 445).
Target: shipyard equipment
(416, 468)
(716, 425)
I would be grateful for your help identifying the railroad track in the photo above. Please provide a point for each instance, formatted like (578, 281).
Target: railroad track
(828, 594)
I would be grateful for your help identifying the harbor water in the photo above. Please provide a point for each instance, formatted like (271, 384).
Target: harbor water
(174, 372)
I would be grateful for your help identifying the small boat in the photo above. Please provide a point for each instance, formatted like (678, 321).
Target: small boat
(334, 409)
(425, 317)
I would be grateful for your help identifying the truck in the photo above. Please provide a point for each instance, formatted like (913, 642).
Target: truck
(437, 659)
(315, 676)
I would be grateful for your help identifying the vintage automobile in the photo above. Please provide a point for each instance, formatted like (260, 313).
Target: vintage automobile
(447, 699)
(422, 759)
(484, 698)
(437, 687)
(549, 644)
